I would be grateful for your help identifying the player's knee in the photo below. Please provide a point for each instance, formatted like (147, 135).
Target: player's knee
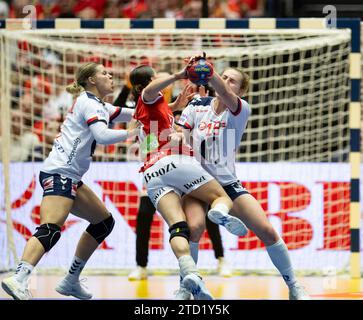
(48, 235)
(196, 231)
(269, 236)
(179, 229)
(101, 230)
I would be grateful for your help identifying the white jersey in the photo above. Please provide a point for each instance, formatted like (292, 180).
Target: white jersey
(216, 137)
(73, 148)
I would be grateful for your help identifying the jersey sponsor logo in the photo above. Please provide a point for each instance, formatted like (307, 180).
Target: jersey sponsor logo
(212, 127)
(158, 194)
(160, 172)
(74, 150)
(58, 146)
(194, 183)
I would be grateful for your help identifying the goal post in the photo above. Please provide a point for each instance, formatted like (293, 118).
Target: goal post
(300, 154)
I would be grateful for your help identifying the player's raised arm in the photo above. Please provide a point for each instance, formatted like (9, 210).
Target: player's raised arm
(225, 92)
(152, 90)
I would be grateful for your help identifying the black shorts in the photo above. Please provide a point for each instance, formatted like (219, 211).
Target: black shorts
(58, 185)
(234, 190)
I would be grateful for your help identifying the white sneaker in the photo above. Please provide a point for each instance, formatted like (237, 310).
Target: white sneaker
(196, 286)
(223, 268)
(16, 289)
(140, 273)
(182, 293)
(297, 292)
(75, 289)
(231, 223)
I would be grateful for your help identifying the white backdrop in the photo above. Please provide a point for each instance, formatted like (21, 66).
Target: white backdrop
(121, 243)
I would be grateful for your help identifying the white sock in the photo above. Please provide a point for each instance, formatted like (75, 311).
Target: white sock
(194, 250)
(221, 207)
(280, 257)
(23, 271)
(75, 269)
(187, 266)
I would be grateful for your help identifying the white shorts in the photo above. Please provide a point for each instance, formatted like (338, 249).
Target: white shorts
(179, 173)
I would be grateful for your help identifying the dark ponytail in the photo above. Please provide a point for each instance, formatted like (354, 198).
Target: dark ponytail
(140, 77)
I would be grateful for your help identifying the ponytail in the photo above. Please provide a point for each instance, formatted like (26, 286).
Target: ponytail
(74, 89)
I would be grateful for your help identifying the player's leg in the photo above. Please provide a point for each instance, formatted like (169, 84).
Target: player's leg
(144, 220)
(195, 212)
(248, 209)
(212, 193)
(169, 206)
(89, 207)
(216, 239)
(54, 209)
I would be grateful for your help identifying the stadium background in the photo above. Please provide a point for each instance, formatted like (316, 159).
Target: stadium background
(39, 135)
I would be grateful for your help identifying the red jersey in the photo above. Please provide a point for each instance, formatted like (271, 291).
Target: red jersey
(157, 124)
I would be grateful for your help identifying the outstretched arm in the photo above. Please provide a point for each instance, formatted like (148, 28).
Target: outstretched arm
(151, 92)
(104, 135)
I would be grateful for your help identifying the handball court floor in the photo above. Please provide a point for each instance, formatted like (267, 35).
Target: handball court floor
(236, 287)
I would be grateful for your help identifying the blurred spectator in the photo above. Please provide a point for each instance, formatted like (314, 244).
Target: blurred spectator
(4, 10)
(52, 129)
(163, 9)
(134, 9)
(247, 8)
(112, 9)
(193, 9)
(63, 9)
(25, 145)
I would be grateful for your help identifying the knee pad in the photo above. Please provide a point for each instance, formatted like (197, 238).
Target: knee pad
(179, 229)
(101, 230)
(48, 234)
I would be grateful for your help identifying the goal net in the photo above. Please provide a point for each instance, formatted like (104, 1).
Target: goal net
(293, 156)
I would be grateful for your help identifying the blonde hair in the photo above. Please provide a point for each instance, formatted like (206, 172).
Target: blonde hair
(83, 73)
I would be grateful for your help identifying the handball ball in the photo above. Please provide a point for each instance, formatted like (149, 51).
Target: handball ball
(200, 72)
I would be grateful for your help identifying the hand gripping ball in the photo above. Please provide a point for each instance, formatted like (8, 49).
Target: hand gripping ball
(199, 72)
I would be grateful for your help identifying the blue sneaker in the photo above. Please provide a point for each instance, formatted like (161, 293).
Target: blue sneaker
(231, 223)
(196, 286)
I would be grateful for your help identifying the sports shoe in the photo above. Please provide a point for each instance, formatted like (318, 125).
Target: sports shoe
(140, 273)
(297, 292)
(196, 286)
(182, 293)
(223, 268)
(75, 289)
(16, 289)
(231, 223)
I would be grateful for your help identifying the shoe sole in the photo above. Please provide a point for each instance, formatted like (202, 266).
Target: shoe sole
(65, 293)
(191, 284)
(217, 217)
(9, 291)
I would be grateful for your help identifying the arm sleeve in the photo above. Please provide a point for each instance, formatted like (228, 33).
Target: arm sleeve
(120, 114)
(103, 135)
(187, 118)
(157, 100)
(93, 112)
